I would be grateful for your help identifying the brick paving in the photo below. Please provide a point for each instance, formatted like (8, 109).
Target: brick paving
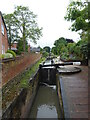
(74, 89)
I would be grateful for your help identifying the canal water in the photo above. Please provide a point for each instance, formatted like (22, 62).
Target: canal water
(46, 104)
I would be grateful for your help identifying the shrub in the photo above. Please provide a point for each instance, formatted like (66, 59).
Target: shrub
(74, 58)
(64, 57)
(6, 55)
(1, 56)
(12, 52)
(45, 54)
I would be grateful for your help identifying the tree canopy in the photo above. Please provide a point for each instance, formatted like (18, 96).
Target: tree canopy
(23, 24)
(58, 45)
(70, 50)
(47, 49)
(11, 30)
(77, 13)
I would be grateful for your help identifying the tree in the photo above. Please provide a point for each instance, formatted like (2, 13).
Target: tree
(77, 12)
(83, 46)
(64, 51)
(22, 25)
(20, 48)
(71, 47)
(25, 22)
(11, 30)
(59, 44)
(47, 49)
(54, 50)
(61, 40)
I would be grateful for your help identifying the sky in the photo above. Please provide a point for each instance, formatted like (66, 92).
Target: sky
(50, 16)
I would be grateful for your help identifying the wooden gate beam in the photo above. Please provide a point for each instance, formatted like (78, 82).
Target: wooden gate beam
(56, 65)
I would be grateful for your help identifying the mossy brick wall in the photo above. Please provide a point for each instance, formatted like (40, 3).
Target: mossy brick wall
(21, 105)
(11, 68)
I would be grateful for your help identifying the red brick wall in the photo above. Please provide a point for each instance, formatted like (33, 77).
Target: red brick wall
(0, 37)
(3, 38)
(12, 68)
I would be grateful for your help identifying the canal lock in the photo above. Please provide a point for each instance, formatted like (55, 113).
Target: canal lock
(41, 100)
(48, 102)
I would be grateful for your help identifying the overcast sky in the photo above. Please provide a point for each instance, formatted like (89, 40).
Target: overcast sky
(50, 16)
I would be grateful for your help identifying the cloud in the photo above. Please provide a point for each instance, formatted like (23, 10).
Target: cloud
(50, 16)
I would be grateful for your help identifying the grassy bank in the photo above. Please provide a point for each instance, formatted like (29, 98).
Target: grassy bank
(29, 74)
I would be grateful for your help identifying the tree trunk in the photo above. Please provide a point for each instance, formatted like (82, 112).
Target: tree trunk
(10, 38)
(24, 37)
(24, 44)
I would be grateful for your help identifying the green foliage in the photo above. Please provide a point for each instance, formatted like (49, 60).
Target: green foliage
(83, 48)
(64, 50)
(64, 57)
(20, 47)
(12, 52)
(1, 56)
(59, 44)
(24, 83)
(41, 50)
(6, 55)
(47, 49)
(25, 80)
(71, 47)
(54, 50)
(77, 12)
(72, 51)
(45, 54)
(11, 29)
(61, 41)
(25, 22)
(22, 25)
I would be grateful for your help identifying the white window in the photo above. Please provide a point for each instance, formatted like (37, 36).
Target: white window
(2, 28)
(3, 49)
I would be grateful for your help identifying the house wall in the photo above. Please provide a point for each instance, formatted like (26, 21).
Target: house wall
(14, 45)
(28, 48)
(0, 38)
(3, 38)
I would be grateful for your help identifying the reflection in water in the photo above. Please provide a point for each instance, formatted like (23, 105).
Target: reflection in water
(45, 110)
(46, 104)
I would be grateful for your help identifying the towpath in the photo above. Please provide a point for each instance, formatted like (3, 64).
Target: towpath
(74, 90)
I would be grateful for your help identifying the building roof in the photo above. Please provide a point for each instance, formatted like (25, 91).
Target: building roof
(35, 49)
(12, 48)
(69, 40)
(3, 19)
